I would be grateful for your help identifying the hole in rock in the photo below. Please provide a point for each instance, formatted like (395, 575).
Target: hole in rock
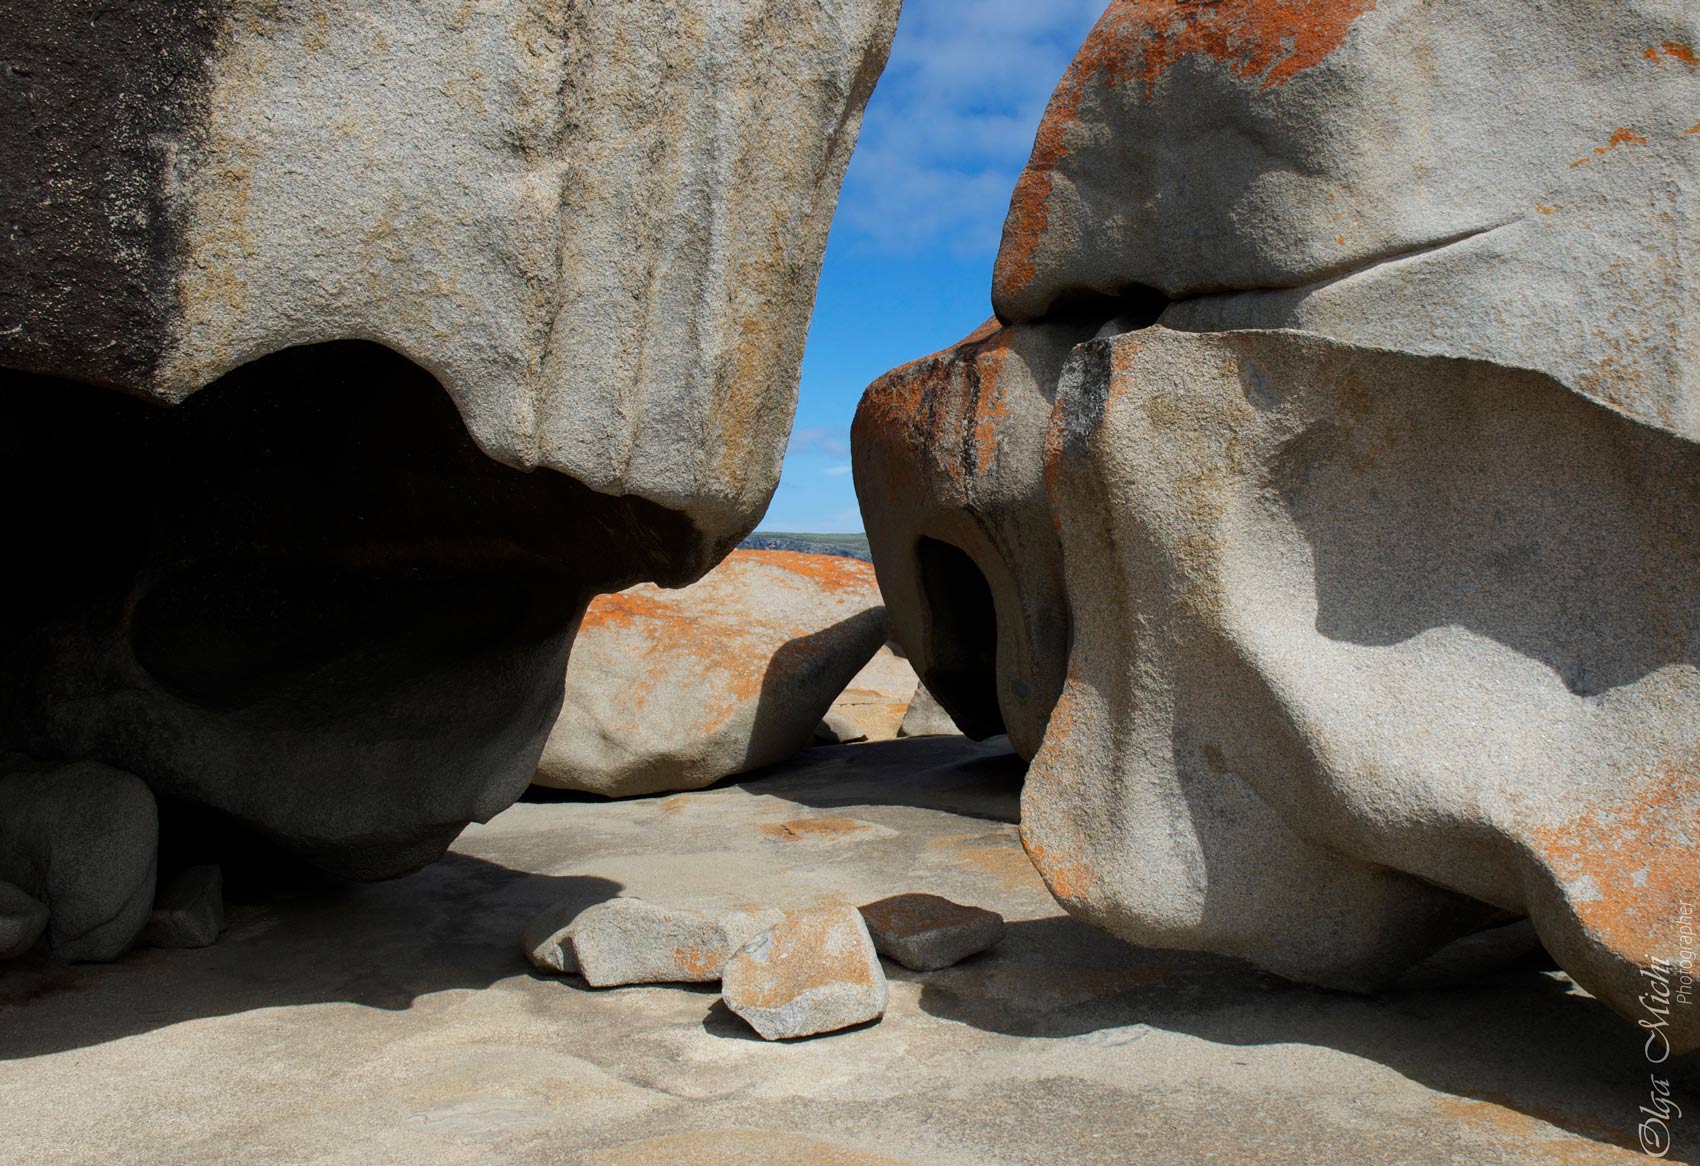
(1133, 308)
(962, 625)
(298, 594)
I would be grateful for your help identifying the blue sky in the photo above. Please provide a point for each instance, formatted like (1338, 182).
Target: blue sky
(909, 265)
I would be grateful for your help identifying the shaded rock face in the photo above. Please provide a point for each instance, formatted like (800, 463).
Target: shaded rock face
(677, 690)
(1381, 626)
(347, 350)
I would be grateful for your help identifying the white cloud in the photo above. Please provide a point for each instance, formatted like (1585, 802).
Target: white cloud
(819, 439)
(837, 471)
(953, 121)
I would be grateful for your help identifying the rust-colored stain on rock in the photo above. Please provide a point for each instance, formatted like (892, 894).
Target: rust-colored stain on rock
(809, 950)
(1535, 1134)
(1636, 864)
(815, 829)
(910, 915)
(1270, 41)
(1682, 52)
(1623, 136)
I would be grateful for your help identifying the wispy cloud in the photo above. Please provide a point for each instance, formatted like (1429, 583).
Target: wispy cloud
(952, 125)
(837, 471)
(819, 440)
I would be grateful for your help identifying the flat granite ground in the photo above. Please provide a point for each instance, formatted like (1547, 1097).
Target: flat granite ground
(399, 1023)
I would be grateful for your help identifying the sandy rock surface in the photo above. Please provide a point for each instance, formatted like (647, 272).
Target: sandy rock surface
(673, 690)
(398, 1022)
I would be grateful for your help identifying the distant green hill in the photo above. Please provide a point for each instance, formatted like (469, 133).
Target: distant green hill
(850, 546)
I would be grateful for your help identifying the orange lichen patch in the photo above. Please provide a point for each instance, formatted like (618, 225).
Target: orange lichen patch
(941, 415)
(1624, 136)
(1544, 208)
(671, 806)
(1068, 876)
(1628, 869)
(1268, 40)
(809, 950)
(626, 608)
(1535, 1135)
(990, 855)
(906, 916)
(836, 573)
(698, 963)
(1682, 52)
(815, 829)
(1694, 130)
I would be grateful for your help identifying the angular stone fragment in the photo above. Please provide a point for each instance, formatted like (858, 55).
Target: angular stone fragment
(628, 941)
(838, 729)
(547, 940)
(876, 697)
(22, 920)
(813, 972)
(675, 690)
(925, 717)
(189, 910)
(926, 932)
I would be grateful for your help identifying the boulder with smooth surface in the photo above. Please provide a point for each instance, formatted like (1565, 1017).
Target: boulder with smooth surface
(675, 690)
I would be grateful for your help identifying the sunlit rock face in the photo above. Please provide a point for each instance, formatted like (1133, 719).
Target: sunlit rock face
(348, 350)
(678, 690)
(1373, 493)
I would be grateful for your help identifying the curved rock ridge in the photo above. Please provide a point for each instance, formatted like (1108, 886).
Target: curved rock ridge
(1370, 172)
(1337, 561)
(675, 690)
(348, 351)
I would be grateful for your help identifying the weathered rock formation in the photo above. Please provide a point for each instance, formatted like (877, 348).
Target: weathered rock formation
(878, 697)
(1386, 625)
(462, 314)
(677, 690)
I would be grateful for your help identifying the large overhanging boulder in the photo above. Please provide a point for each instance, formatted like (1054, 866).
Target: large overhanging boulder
(1383, 620)
(459, 313)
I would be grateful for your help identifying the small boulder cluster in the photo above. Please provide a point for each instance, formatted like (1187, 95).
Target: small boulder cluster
(788, 974)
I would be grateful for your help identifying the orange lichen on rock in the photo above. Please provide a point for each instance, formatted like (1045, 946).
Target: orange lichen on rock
(838, 574)
(1682, 52)
(809, 950)
(1624, 136)
(1629, 869)
(820, 829)
(1271, 41)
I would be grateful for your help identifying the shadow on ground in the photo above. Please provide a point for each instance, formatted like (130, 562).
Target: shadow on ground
(382, 945)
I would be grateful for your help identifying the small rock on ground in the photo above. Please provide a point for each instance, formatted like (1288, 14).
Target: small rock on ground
(548, 938)
(628, 941)
(188, 910)
(813, 972)
(838, 729)
(925, 932)
(926, 717)
(22, 920)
